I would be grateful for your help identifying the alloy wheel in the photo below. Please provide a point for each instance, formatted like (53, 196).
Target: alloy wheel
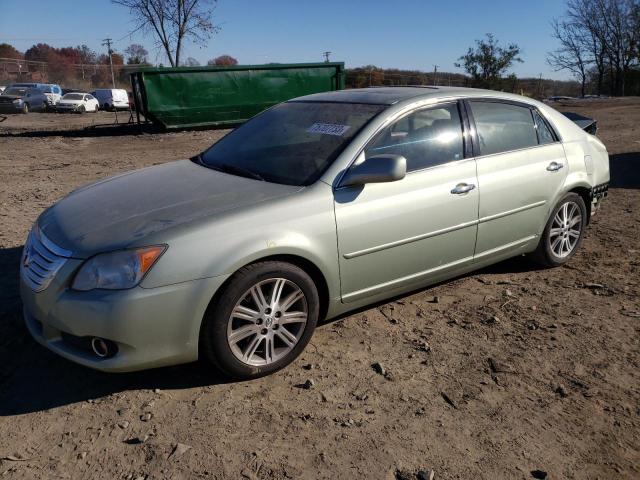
(267, 322)
(565, 230)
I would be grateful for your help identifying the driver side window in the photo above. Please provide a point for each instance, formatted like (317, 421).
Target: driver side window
(426, 138)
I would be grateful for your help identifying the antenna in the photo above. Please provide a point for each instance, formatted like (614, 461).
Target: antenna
(326, 56)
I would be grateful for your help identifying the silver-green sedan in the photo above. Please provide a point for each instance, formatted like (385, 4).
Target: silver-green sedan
(315, 207)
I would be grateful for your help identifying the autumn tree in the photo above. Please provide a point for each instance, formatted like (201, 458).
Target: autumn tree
(488, 61)
(223, 60)
(9, 51)
(136, 54)
(172, 22)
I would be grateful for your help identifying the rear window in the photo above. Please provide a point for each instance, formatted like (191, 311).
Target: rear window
(503, 127)
(292, 143)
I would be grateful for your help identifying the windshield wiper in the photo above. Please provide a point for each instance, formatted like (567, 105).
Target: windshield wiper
(198, 159)
(226, 168)
(236, 170)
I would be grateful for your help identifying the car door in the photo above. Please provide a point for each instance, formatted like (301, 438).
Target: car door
(520, 172)
(409, 232)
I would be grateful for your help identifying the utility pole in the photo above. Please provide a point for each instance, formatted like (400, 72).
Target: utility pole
(107, 42)
(540, 86)
(435, 75)
(326, 56)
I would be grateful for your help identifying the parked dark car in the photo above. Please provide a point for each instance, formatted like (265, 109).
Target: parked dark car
(22, 100)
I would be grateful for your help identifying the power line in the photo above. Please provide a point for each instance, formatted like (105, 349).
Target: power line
(326, 56)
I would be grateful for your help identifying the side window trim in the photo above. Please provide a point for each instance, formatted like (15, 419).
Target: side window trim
(466, 134)
(539, 115)
(473, 131)
(531, 108)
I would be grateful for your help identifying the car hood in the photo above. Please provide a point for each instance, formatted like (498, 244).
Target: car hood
(120, 211)
(12, 97)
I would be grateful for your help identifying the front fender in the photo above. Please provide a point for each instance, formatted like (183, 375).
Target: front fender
(302, 224)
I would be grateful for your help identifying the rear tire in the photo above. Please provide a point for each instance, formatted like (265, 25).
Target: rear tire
(252, 329)
(563, 233)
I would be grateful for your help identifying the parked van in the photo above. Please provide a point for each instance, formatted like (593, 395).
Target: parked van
(52, 91)
(112, 98)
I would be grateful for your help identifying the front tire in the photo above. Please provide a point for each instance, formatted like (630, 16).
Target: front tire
(261, 321)
(563, 233)
(81, 109)
(25, 108)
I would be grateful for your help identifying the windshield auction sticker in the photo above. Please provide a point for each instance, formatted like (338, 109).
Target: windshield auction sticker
(328, 129)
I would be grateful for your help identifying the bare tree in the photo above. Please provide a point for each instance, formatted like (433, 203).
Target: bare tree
(610, 29)
(173, 21)
(573, 53)
(136, 54)
(191, 62)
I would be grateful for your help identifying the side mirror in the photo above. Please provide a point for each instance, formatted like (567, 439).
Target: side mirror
(376, 169)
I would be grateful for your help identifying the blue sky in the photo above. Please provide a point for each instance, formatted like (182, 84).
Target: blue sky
(409, 34)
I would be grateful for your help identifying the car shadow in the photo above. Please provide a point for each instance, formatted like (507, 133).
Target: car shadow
(520, 264)
(106, 130)
(625, 170)
(33, 379)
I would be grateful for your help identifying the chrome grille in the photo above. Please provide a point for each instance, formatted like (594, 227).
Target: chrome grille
(41, 260)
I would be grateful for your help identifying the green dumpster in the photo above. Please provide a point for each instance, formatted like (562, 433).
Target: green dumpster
(197, 96)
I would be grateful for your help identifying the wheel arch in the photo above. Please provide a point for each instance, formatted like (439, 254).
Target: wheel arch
(309, 267)
(585, 193)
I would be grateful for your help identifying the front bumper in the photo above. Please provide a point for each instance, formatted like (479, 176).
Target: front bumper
(10, 108)
(65, 108)
(151, 327)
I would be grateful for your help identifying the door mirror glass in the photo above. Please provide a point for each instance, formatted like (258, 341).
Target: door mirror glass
(376, 169)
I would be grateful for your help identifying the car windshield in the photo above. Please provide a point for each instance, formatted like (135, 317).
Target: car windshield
(72, 96)
(15, 91)
(292, 143)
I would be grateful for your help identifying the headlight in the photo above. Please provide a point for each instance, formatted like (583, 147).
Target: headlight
(117, 270)
(17, 100)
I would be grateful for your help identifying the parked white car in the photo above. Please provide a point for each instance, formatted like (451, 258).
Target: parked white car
(112, 98)
(77, 102)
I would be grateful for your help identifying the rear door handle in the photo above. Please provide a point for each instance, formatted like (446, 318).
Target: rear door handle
(461, 188)
(554, 166)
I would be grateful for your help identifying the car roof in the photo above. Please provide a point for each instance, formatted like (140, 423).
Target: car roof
(392, 95)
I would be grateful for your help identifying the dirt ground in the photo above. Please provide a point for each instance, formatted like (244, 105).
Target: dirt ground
(510, 372)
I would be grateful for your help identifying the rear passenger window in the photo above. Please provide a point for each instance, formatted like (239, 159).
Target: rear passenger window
(425, 138)
(545, 135)
(503, 127)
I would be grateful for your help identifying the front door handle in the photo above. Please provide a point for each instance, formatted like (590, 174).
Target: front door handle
(554, 166)
(461, 188)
